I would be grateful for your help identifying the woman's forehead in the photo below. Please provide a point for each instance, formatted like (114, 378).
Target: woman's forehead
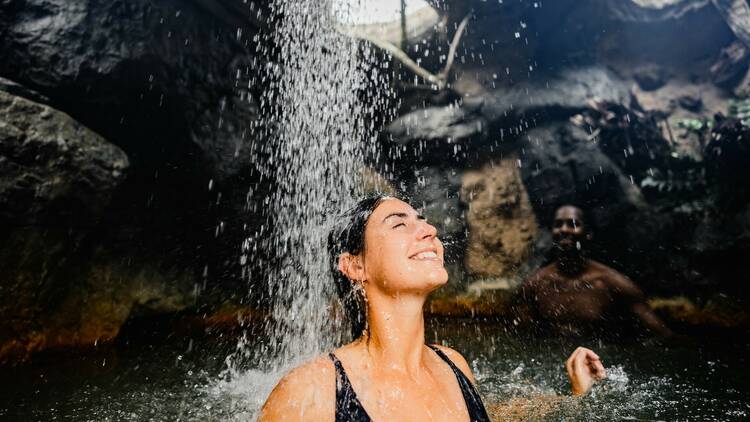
(391, 206)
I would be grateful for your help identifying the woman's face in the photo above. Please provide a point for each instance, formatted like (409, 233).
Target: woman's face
(402, 252)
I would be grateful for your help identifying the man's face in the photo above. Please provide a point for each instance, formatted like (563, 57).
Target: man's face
(568, 231)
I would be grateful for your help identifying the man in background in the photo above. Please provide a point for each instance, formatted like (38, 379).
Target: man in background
(577, 295)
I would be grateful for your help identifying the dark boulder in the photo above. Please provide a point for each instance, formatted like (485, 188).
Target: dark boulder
(731, 66)
(85, 245)
(142, 74)
(51, 167)
(650, 77)
(563, 164)
(57, 178)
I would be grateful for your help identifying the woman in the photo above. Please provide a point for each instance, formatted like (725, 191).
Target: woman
(387, 259)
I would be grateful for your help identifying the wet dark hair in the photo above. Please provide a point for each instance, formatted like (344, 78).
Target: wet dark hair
(348, 235)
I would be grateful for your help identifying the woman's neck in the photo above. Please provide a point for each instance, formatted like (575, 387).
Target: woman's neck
(395, 333)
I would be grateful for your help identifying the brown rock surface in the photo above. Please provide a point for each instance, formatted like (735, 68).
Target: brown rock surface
(716, 312)
(501, 222)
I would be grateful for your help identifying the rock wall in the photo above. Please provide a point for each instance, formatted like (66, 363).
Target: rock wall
(126, 137)
(501, 222)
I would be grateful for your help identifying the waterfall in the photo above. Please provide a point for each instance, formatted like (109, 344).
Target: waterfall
(316, 134)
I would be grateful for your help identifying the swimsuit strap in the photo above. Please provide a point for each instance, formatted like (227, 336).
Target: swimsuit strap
(348, 407)
(474, 405)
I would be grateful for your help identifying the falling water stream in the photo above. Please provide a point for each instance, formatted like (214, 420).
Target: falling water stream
(318, 135)
(316, 148)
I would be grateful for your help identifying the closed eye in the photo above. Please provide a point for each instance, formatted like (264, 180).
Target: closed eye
(399, 225)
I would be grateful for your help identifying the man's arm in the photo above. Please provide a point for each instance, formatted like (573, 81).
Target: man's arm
(635, 302)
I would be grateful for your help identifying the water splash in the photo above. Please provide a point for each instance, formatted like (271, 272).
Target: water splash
(318, 132)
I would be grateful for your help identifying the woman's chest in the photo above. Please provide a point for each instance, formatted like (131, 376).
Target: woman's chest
(413, 400)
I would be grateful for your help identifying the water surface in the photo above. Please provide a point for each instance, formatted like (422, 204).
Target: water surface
(180, 380)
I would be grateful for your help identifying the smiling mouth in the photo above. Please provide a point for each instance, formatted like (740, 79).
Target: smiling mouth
(425, 256)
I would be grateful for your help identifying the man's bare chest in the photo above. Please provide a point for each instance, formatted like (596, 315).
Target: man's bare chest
(587, 299)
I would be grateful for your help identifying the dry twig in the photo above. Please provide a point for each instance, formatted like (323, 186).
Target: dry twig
(441, 79)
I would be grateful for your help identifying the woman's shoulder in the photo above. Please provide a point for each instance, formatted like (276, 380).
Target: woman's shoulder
(318, 369)
(307, 392)
(457, 360)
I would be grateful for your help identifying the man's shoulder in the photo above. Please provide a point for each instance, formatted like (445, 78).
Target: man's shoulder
(605, 271)
(614, 279)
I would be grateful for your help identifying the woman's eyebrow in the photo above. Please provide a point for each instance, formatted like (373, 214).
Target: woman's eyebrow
(396, 214)
(403, 215)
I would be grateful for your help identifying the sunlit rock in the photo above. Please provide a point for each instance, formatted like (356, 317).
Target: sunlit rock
(654, 10)
(501, 222)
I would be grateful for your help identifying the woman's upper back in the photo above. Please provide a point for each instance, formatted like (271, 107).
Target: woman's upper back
(433, 393)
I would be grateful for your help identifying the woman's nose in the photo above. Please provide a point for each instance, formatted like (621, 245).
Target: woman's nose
(427, 230)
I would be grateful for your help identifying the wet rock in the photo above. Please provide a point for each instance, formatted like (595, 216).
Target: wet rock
(736, 13)
(172, 85)
(731, 66)
(717, 312)
(224, 134)
(501, 222)
(560, 95)
(691, 103)
(19, 90)
(563, 95)
(653, 10)
(56, 294)
(650, 77)
(449, 124)
(487, 303)
(563, 164)
(137, 72)
(56, 180)
(51, 167)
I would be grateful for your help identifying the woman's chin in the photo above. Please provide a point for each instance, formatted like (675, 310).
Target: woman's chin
(437, 278)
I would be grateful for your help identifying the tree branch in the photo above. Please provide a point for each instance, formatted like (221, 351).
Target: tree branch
(453, 46)
(441, 79)
(399, 54)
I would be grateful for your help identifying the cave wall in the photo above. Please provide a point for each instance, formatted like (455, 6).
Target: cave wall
(127, 151)
(126, 133)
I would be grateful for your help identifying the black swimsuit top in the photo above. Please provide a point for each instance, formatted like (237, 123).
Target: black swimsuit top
(349, 409)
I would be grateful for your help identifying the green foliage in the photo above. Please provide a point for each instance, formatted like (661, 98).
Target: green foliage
(698, 126)
(681, 187)
(740, 109)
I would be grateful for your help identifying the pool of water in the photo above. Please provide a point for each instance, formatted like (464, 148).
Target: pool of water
(520, 378)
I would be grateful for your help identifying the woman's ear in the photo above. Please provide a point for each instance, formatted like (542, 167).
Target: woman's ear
(352, 267)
